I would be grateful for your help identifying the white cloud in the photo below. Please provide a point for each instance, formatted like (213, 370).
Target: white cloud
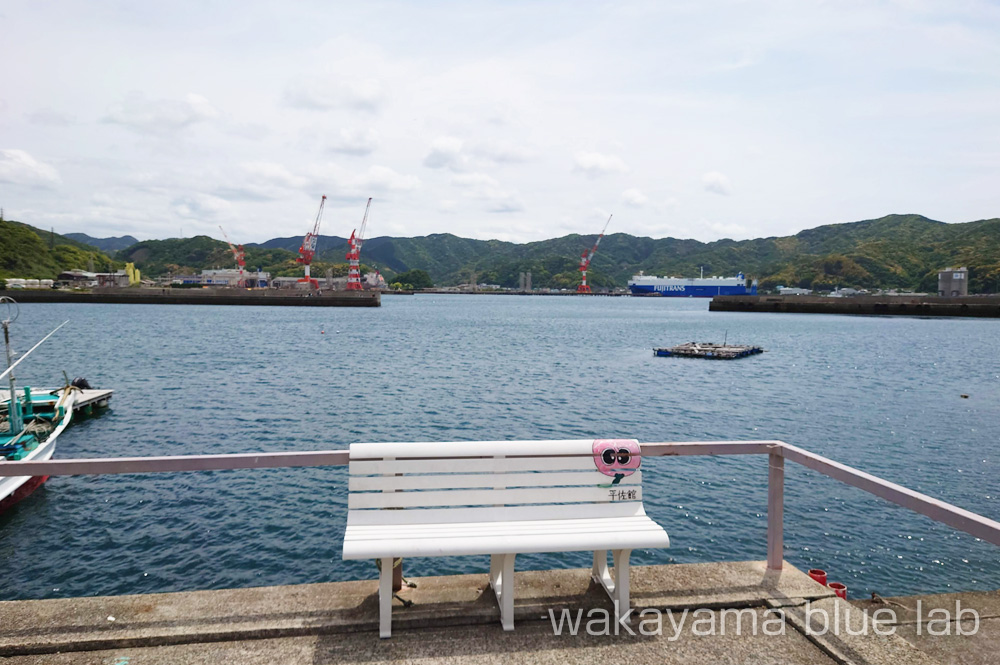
(200, 207)
(160, 116)
(504, 152)
(352, 187)
(356, 142)
(325, 95)
(474, 180)
(265, 181)
(717, 183)
(17, 167)
(596, 164)
(725, 230)
(453, 153)
(384, 179)
(446, 152)
(487, 189)
(634, 198)
(271, 173)
(51, 118)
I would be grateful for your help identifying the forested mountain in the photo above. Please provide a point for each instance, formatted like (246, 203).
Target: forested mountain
(36, 254)
(896, 251)
(192, 255)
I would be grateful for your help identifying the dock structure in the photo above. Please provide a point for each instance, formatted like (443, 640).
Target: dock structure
(86, 399)
(219, 296)
(922, 306)
(709, 350)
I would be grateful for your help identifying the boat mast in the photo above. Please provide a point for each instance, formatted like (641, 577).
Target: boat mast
(14, 410)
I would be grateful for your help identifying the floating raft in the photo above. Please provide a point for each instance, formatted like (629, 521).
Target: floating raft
(708, 350)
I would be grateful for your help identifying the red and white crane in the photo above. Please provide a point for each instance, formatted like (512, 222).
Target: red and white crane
(308, 249)
(587, 257)
(237, 251)
(354, 253)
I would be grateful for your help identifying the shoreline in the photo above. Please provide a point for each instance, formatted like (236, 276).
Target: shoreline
(166, 296)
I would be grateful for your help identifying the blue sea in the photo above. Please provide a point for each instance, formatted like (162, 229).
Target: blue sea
(882, 394)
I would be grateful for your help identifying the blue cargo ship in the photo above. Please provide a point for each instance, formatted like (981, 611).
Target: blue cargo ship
(694, 287)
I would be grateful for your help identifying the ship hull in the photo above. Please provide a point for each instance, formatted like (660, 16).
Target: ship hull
(15, 488)
(690, 290)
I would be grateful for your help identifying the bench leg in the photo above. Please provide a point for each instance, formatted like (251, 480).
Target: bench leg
(615, 583)
(502, 581)
(621, 595)
(385, 599)
(600, 570)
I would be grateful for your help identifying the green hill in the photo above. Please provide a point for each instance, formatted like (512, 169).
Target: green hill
(896, 251)
(36, 254)
(192, 255)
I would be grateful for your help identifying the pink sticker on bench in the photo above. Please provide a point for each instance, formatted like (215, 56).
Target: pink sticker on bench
(617, 457)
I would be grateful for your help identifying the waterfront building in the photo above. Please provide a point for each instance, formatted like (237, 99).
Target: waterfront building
(953, 282)
(231, 277)
(793, 291)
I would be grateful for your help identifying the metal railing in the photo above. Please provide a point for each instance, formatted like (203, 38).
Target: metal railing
(777, 451)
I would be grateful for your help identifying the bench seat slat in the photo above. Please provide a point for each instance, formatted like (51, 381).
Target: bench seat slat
(474, 465)
(473, 480)
(487, 497)
(510, 538)
(494, 513)
(445, 449)
(363, 532)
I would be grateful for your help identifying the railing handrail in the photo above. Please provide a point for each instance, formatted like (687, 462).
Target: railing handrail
(778, 451)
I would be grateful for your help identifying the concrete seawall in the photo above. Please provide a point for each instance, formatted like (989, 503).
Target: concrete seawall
(715, 614)
(200, 297)
(975, 306)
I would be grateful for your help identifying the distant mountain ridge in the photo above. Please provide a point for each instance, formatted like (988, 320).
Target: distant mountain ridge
(104, 244)
(895, 251)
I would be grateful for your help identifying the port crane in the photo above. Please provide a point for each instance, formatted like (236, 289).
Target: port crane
(586, 258)
(238, 255)
(308, 249)
(354, 252)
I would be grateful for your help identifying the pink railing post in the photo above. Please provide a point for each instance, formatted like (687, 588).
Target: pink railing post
(775, 509)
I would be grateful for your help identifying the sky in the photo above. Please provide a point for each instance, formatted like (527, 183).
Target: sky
(511, 120)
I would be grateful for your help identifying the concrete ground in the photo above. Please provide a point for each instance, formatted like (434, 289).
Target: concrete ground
(707, 613)
(959, 628)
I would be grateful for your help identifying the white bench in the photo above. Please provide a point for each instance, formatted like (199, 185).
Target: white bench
(499, 498)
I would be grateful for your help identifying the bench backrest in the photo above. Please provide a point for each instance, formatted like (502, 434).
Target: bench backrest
(484, 481)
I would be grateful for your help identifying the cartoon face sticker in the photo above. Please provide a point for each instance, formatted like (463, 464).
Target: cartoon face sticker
(617, 457)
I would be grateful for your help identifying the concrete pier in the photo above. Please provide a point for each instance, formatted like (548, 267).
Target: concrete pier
(453, 619)
(218, 296)
(976, 306)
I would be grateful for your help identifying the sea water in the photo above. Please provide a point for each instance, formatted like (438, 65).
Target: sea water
(879, 393)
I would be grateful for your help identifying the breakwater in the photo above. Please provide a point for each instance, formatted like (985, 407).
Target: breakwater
(166, 296)
(974, 306)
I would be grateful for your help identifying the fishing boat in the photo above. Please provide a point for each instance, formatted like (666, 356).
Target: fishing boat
(32, 420)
